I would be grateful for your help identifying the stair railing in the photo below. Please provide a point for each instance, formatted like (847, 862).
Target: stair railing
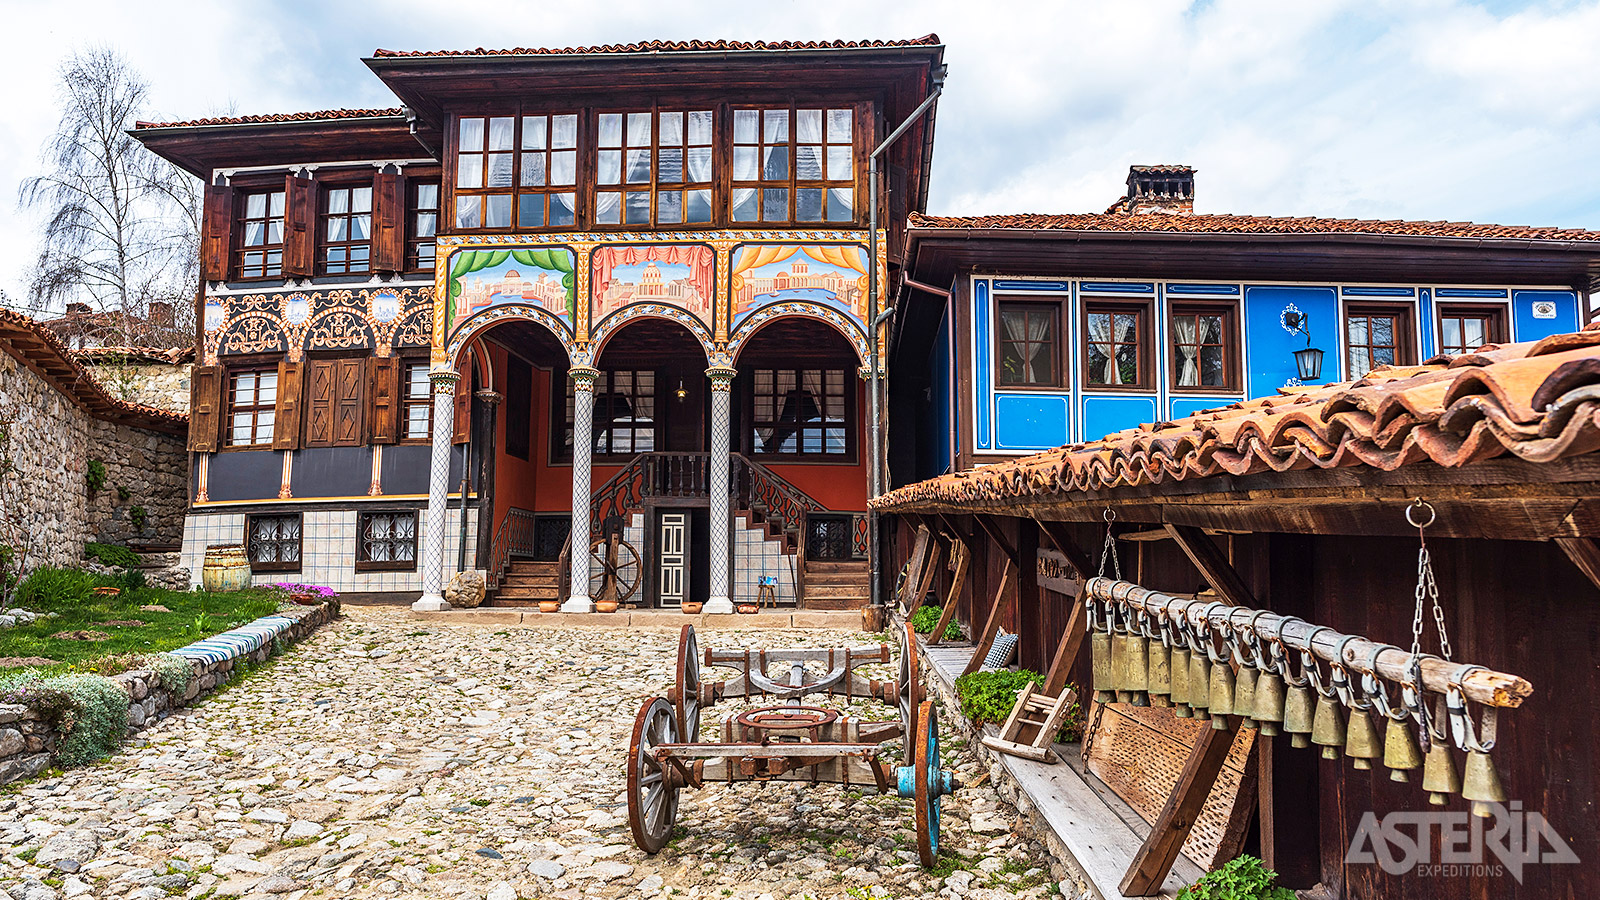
(514, 537)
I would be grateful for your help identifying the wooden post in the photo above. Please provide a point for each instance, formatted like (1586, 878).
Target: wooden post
(1214, 565)
(1584, 553)
(986, 640)
(957, 582)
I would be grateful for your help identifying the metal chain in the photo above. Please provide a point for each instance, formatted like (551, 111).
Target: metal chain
(1427, 589)
(1110, 549)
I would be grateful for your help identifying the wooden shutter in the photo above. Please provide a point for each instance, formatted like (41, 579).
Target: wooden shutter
(216, 236)
(205, 407)
(388, 223)
(384, 393)
(319, 406)
(463, 401)
(350, 407)
(286, 415)
(299, 226)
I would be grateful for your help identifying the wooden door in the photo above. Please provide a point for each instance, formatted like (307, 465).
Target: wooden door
(672, 557)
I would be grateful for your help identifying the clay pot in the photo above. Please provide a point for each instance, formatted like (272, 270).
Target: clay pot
(605, 606)
(305, 599)
(692, 608)
(549, 606)
(748, 609)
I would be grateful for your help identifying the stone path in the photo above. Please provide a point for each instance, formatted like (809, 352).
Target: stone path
(387, 756)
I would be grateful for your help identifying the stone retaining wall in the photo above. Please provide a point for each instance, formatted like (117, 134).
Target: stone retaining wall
(28, 741)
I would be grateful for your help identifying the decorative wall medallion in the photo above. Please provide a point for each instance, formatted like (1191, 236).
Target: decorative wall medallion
(385, 306)
(1544, 309)
(296, 308)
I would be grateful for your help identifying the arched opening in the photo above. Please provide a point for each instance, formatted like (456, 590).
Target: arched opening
(651, 394)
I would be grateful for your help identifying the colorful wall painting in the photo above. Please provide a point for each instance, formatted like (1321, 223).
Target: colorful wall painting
(833, 275)
(539, 276)
(681, 275)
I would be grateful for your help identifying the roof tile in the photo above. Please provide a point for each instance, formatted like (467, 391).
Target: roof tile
(275, 118)
(1148, 223)
(928, 40)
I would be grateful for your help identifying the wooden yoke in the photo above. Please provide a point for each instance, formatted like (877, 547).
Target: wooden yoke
(963, 558)
(919, 554)
(922, 581)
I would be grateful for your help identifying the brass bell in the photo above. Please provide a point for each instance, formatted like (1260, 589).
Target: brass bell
(1361, 740)
(1159, 679)
(1400, 751)
(1180, 684)
(1244, 695)
(1136, 676)
(1119, 666)
(1200, 684)
(1327, 727)
(1439, 776)
(1221, 693)
(1481, 784)
(1297, 715)
(1269, 704)
(1100, 664)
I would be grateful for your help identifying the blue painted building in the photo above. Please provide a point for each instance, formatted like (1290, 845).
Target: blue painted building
(1021, 333)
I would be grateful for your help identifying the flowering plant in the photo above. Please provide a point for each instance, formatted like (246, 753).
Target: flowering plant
(314, 590)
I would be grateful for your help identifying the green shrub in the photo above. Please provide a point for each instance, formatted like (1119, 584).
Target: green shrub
(175, 671)
(123, 493)
(926, 618)
(89, 711)
(48, 587)
(989, 697)
(94, 475)
(1244, 878)
(138, 515)
(111, 555)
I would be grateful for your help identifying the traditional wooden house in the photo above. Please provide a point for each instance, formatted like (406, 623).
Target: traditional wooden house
(1274, 543)
(620, 293)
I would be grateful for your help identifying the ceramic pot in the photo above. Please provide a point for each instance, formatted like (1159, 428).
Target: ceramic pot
(549, 606)
(747, 608)
(226, 568)
(605, 606)
(691, 608)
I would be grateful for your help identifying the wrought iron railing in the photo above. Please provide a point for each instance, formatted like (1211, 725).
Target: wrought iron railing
(514, 537)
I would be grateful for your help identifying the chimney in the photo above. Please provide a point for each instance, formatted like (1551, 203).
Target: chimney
(77, 309)
(160, 314)
(1159, 189)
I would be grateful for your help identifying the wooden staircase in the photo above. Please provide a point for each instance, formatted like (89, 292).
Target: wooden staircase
(526, 582)
(830, 584)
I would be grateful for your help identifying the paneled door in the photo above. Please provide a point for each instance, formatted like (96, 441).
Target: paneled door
(672, 566)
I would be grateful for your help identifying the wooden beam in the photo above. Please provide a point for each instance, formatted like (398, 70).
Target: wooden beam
(919, 553)
(999, 538)
(1214, 565)
(924, 578)
(1171, 827)
(1584, 553)
(1251, 783)
(957, 582)
(1001, 600)
(1067, 651)
(1057, 533)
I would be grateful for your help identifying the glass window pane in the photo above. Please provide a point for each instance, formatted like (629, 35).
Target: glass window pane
(255, 233)
(700, 131)
(1383, 331)
(638, 129)
(839, 164)
(1211, 373)
(841, 204)
(1474, 332)
(264, 427)
(671, 129)
(808, 163)
(499, 170)
(1451, 328)
(700, 164)
(500, 132)
(669, 207)
(241, 428)
(774, 204)
(564, 167)
(775, 126)
(255, 206)
(533, 170)
(611, 129)
(563, 132)
(697, 206)
(1357, 330)
(839, 121)
(534, 130)
(744, 204)
(608, 207)
(338, 202)
(471, 134)
(530, 211)
(638, 208)
(610, 171)
(746, 125)
(669, 165)
(469, 171)
(775, 164)
(1360, 362)
(427, 196)
(274, 231)
(336, 229)
(745, 167)
(808, 126)
(469, 212)
(1013, 368)
(497, 211)
(1128, 363)
(562, 209)
(360, 227)
(426, 224)
(1210, 329)
(638, 166)
(808, 204)
(361, 200)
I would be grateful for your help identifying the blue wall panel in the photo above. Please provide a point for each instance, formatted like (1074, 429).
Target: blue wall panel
(1269, 356)
(1030, 421)
(982, 347)
(1103, 415)
(1527, 328)
(1190, 405)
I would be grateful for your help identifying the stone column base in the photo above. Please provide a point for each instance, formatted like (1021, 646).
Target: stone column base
(430, 603)
(578, 605)
(718, 606)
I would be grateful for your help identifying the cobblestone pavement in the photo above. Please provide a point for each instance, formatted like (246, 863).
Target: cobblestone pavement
(387, 756)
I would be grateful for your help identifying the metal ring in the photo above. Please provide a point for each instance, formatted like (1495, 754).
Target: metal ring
(1418, 504)
(1110, 515)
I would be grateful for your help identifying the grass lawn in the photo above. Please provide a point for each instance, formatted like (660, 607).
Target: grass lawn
(70, 594)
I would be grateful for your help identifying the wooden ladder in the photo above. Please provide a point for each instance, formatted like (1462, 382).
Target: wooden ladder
(1031, 703)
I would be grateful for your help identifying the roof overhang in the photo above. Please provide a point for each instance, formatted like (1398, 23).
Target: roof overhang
(202, 149)
(38, 350)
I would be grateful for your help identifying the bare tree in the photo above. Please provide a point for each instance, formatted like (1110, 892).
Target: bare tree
(121, 224)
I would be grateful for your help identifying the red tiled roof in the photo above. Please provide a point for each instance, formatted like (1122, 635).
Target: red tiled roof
(1162, 170)
(44, 353)
(928, 40)
(273, 118)
(1231, 224)
(1539, 402)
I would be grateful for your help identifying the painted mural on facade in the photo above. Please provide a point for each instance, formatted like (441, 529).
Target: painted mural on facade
(539, 276)
(681, 275)
(832, 275)
(293, 322)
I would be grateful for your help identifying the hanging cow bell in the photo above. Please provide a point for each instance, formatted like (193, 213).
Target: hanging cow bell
(1244, 695)
(1200, 684)
(1361, 740)
(1180, 684)
(1100, 663)
(1400, 751)
(1119, 666)
(1269, 704)
(1137, 675)
(1297, 715)
(1159, 678)
(1221, 694)
(1327, 727)
(1439, 776)
(1481, 784)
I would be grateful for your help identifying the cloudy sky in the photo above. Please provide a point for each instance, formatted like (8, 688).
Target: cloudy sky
(1429, 109)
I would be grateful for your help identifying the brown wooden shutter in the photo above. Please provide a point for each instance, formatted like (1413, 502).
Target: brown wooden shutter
(463, 400)
(388, 223)
(216, 237)
(286, 416)
(299, 226)
(350, 407)
(319, 406)
(384, 393)
(205, 408)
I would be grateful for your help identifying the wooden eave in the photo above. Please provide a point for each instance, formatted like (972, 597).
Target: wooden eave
(201, 149)
(45, 359)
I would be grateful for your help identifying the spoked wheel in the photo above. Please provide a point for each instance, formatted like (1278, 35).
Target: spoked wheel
(613, 569)
(909, 687)
(931, 784)
(652, 794)
(686, 694)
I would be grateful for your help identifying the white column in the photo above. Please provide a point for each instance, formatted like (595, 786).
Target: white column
(444, 420)
(582, 446)
(721, 599)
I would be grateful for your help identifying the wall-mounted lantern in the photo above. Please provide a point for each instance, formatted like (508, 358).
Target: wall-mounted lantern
(1309, 359)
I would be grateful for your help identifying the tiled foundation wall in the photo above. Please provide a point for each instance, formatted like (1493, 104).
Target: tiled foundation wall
(753, 557)
(327, 549)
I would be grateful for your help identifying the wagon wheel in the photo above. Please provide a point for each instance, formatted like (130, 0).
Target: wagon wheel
(931, 783)
(686, 693)
(652, 793)
(908, 689)
(614, 567)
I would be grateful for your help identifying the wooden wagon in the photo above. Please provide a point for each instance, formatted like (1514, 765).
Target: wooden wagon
(788, 741)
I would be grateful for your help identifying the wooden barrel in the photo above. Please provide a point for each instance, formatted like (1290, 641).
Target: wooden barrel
(226, 568)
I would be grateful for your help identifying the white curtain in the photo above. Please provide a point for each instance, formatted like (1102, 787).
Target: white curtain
(1100, 333)
(608, 207)
(1188, 352)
